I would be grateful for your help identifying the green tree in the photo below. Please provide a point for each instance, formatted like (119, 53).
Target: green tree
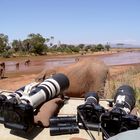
(17, 45)
(93, 48)
(99, 47)
(51, 41)
(73, 48)
(27, 46)
(81, 46)
(37, 42)
(3, 42)
(107, 47)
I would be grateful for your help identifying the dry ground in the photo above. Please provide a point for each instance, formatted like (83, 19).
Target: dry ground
(16, 79)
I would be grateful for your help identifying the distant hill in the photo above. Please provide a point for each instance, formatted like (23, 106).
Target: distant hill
(121, 45)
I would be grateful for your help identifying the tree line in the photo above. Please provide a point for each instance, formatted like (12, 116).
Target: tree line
(38, 45)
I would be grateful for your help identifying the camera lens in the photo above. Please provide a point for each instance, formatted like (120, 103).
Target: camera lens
(92, 97)
(50, 88)
(125, 98)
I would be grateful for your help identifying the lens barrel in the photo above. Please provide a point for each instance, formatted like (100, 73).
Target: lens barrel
(64, 119)
(62, 80)
(71, 129)
(92, 97)
(48, 89)
(125, 98)
(63, 125)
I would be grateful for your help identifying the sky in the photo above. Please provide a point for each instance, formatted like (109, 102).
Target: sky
(72, 21)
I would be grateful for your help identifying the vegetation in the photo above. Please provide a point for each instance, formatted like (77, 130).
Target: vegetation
(3, 42)
(36, 44)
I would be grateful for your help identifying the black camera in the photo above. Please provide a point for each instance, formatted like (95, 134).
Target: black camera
(18, 116)
(3, 98)
(2, 101)
(119, 118)
(90, 110)
(18, 112)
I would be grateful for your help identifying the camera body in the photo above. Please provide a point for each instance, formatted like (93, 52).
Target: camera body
(91, 113)
(119, 118)
(18, 116)
(91, 109)
(2, 101)
(116, 121)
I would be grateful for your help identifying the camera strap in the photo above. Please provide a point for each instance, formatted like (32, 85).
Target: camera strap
(104, 132)
(85, 126)
(107, 136)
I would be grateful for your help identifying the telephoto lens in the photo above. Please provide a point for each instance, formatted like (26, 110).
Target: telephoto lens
(125, 98)
(22, 111)
(119, 117)
(47, 90)
(92, 98)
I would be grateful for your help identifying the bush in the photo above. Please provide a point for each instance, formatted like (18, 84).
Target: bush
(6, 54)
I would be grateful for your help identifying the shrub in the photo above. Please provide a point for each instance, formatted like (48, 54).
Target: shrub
(6, 54)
